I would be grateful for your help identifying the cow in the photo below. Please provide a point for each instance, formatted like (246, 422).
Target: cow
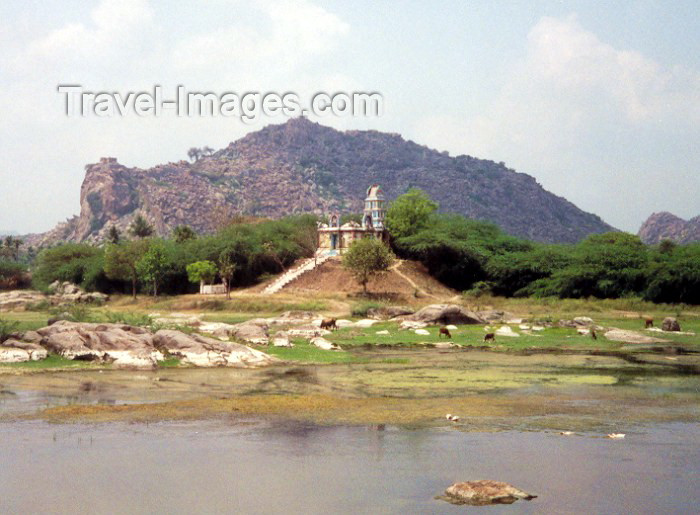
(490, 337)
(648, 322)
(328, 323)
(444, 330)
(593, 335)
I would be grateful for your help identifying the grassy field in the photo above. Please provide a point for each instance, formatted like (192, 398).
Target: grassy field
(618, 313)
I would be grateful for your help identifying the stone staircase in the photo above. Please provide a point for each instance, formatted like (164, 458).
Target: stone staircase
(290, 275)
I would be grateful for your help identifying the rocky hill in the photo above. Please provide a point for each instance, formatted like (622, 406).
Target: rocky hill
(301, 166)
(667, 226)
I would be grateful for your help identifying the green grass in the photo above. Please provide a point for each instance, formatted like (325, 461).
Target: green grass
(305, 352)
(169, 363)
(54, 361)
(472, 335)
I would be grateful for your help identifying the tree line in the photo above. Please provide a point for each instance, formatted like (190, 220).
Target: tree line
(477, 256)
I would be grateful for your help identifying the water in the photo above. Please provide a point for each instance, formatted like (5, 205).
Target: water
(263, 466)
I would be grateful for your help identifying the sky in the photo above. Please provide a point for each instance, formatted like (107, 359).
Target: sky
(599, 101)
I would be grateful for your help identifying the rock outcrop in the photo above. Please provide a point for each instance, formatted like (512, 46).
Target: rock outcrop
(484, 492)
(202, 351)
(61, 293)
(301, 166)
(666, 226)
(445, 314)
(128, 346)
(121, 345)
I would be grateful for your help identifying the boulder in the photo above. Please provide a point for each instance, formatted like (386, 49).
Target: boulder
(622, 335)
(422, 332)
(485, 492)
(366, 322)
(203, 351)
(583, 321)
(387, 312)
(35, 352)
(344, 323)
(324, 344)
(445, 314)
(384, 332)
(451, 327)
(444, 345)
(670, 324)
(251, 332)
(281, 339)
(119, 344)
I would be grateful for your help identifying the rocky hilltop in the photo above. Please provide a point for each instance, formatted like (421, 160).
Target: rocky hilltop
(667, 226)
(300, 167)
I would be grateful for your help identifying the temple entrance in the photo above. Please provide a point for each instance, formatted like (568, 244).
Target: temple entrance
(334, 241)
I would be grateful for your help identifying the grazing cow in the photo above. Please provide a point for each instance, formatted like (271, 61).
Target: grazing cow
(490, 337)
(328, 323)
(648, 322)
(444, 330)
(593, 335)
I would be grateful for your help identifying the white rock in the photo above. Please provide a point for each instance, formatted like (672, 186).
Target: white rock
(524, 326)
(365, 322)
(324, 344)
(538, 328)
(514, 321)
(344, 323)
(11, 355)
(505, 330)
(382, 332)
(422, 332)
(451, 327)
(281, 339)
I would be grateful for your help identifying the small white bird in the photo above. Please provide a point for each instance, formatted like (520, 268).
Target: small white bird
(453, 418)
(566, 433)
(616, 435)
(448, 416)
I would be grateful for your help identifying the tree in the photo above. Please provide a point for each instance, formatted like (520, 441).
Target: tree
(183, 233)
(227, 267)
(367, 257)
(194, 154)
(121, 262)
(202, 272)
(152, 266)
(207, 151)
(140, 227)
(113, 235)
(409, 213)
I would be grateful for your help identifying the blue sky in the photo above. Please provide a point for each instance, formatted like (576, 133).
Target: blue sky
(600, 101)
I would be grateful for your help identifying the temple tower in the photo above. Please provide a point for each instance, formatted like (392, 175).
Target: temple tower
(375, 209)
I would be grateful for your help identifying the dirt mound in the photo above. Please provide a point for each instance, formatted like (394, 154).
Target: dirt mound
(405, 279)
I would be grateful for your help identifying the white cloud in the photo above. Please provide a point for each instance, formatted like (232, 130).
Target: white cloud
(588, 120)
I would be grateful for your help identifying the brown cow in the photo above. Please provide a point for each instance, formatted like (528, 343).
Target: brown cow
(490, 337)
(444, 330)
(593, 335)
(328, 323)
(648, 322)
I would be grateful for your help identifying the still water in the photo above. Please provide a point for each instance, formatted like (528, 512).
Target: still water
(263, 466)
